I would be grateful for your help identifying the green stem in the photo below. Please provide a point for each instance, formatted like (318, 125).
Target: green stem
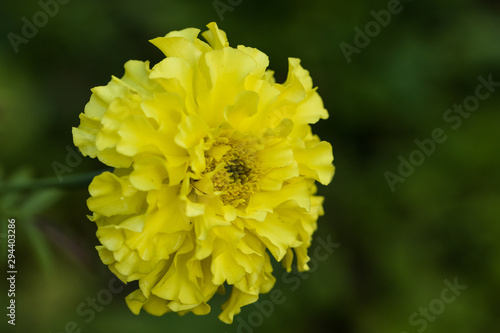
(67, 181)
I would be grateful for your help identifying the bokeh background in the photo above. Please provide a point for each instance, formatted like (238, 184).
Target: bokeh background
(395, 247)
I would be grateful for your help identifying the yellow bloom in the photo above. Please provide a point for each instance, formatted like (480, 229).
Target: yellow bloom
(215, 163)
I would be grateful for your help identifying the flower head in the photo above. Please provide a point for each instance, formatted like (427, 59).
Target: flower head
(215, 164)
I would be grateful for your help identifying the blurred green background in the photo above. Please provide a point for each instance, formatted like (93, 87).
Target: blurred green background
(396, 247)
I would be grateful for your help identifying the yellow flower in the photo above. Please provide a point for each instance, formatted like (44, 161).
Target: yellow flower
(215, 163)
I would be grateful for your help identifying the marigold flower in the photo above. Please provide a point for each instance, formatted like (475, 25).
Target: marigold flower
(214, 163)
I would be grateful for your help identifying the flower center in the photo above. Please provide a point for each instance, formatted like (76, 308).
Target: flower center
(236, 170)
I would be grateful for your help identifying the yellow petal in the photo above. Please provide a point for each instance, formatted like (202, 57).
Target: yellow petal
(111, 195)
(179, 283)
(216, 37)
(149, 173)
(224, 71)
(233, 305)
(269, 200)
(180, 44)
(275, 234)
(315, 161)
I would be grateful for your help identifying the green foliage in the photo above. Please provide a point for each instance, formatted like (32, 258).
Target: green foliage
(25, 208)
